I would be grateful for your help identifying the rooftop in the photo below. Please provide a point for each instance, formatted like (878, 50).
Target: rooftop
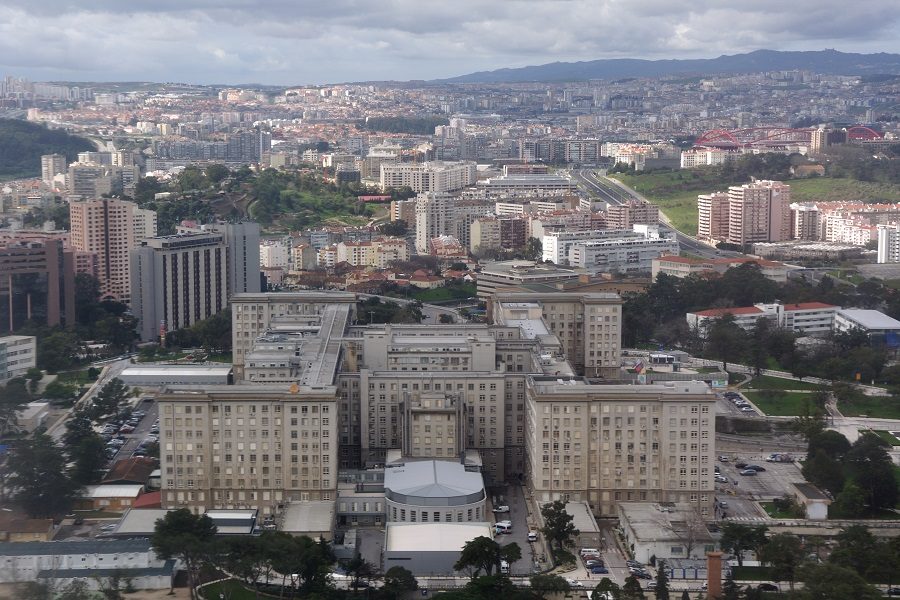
(418, 481)
(95, 546)
(308, 517)
(870, 319)
(433, 537)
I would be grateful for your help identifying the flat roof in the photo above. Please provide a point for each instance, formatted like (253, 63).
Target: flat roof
(88, 546)
(432, 479)
(649, 522)
(582, 518)
(870, 319)
(142, 521)
(114, 490)
(810, 491)
(221, 370)
(433, 537)
(309, 516)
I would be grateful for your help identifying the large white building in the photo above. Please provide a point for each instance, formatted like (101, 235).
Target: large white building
(806, 318)
(18, 353)
(628, 252)
(434, 176)
(888, 243)
(273, 253)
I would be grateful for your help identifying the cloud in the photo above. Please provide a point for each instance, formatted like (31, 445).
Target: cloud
(295, 42)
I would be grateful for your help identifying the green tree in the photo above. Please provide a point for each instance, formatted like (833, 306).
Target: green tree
(784, 553)
(188, 537)
(534, 249)
(90, 458)
(607, 589)
(109, 398)
(632, 589)
(737, 538)
(730, 589)
(725, 340)
(38, 474)
(869, 465)
(827, 582)
(216, 173)
(662, 581)
(13, 396)
(856, 549)
(484, 554)
(542, 585)
(824, 471)
(398, 582)
(60, 390)
(359, 570)
(850, 503)
(558, 529)
(832, 442)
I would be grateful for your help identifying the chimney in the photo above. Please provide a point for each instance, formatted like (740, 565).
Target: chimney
(714, 575)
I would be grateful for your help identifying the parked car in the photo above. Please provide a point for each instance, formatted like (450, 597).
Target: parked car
(748, 472)
(574, 583)
(894, 591)
(501, 509)
(721, 479)
(590, 564)
(756, 468)
(651, 586)
(634, 563)
(723, 504)
(740, 465)
(767, 587)
(126, 429)
(723, 458)
(599, 570)
(532, 536)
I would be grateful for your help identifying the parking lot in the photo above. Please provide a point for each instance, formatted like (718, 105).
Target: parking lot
(142, 429)
(514, 497)
(741, 492)
(727, 405)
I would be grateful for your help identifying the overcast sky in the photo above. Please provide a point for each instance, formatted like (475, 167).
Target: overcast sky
(288, 42)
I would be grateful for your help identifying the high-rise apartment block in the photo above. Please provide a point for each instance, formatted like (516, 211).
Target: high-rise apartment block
(759, 212)
(433, 218)
(51, 166)
(712, 223)
(432, 176)
(106, 227)
(178, 280)
(888, 243)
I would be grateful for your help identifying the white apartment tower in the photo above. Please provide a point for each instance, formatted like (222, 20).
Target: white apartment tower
(888, 243)
(433, 218)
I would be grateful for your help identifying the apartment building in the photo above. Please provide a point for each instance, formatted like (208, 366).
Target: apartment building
(51, 166)
(433, 218)
(145, 224)
(526, 183)
(404, 210)
(434, 176)
(105, 226)
(588, 326)
(178, 280)
(484, 234)
(378, 253)
(605, 444)
(273, 254)
(502, 275)
(712, 222)
(888, 243)
(628, 252)
(806, 221)
(759, 212)
(630, 213)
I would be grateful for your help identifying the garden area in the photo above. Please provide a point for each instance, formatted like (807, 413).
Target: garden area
(780, 403)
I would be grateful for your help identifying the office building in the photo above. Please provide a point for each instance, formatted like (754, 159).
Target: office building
(105, 227)
(37, 283)
(18, 353)
(178, 280)
(606, 444)
(629, 252)
(504, 275)
(51, 166)
(435, 176)
(242, 242)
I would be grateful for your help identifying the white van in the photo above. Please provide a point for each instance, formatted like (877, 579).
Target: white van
(504, 567)
(584, 551)
(503, 527)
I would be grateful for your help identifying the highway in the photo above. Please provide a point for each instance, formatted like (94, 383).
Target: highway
(615, 192)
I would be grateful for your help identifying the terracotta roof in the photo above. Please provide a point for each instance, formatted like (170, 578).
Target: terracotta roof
(148, 500)
(737, 310)
(808, 306)
(131, 470)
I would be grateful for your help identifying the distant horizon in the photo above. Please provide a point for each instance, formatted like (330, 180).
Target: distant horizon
(238, 84)
(294, 43)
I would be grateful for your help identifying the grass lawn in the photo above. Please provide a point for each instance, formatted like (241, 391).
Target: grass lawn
(222, 358)
(877, 407)
(885, 435)
(227, 589)
(773, 512)
(781, 404)
(79, 377)
(442, 294)
(827, 189)
(766, 382)
(708, 370)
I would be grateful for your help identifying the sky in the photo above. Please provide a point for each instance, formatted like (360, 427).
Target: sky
(299, 42)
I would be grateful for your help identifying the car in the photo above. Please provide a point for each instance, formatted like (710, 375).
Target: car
(756, 468)
(588, 557)
(138, 453)
(574, 583)
(723, 504)
(501, 509)
(126, 429)
(723, 458)
(721, 479)
(748, 472)
(651, 586)
(599, 570)
(894, 591)
(108, 527)
(532, 536)
(767, 587)
(747, 409)
(590, 564)
(740, 465)
(634, 563)
(115, 442)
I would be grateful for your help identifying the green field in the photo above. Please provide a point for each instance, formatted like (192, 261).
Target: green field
(883, 434)
(773, 512)
(779, 403)
(766, 382)
(878, 407)
(675, 192)
(227, 589)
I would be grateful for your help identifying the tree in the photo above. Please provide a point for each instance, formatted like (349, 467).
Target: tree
(398, 581)
(245, 558)
(542, 585)
(77, 590)
(534, 249)
(607, 589)
(60, 390)
(738, 538)
(484, 554)
(856, 549)
(38, 474)
(359, 569)
(832, 442)
(632, 589)
(13, 396)
(188, 537)
(730, 589)
(688, 531)
(824, 582)
(90, 458)
(824, 471)
(725, 340)
(558, 528)
(110, 397)
(869, 465)
(446, 319)
(784, 553)
(662, 581)
(850, 503)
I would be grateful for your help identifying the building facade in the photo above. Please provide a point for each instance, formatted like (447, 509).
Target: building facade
(105, 226)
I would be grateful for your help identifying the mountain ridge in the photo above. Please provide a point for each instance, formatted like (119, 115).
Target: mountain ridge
(831, 62)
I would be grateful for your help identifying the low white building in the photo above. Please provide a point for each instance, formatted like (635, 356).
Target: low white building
(89, 560)
(881, 329)
(806, 318)
(665, 531)
(160, 375)
(429, 548)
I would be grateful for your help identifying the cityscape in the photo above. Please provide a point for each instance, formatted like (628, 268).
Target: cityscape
(592, 321)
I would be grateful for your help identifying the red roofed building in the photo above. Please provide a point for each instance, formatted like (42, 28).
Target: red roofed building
(808, 318)
(679, 266)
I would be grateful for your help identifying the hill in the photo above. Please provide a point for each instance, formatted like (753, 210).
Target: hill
(22, 144)
(820, 61)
